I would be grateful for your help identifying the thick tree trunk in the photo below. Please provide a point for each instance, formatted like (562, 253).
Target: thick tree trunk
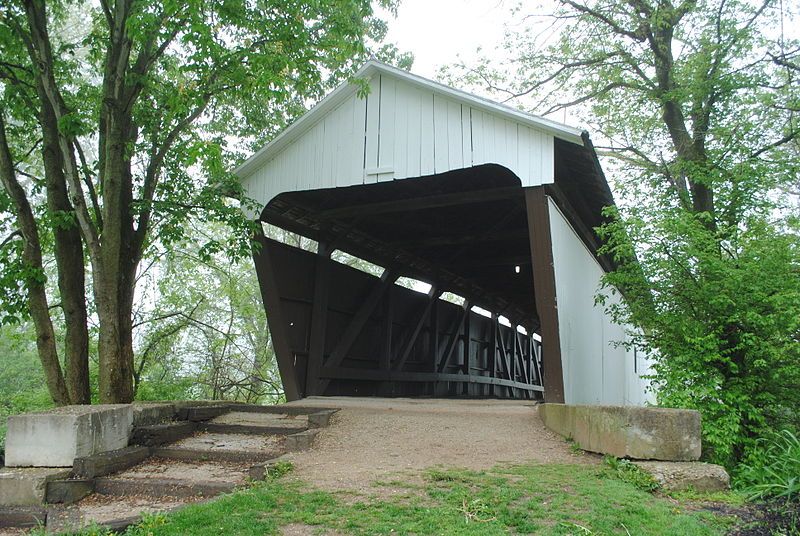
(68, 249)
(115, 346)
(32, 257)
(116, 277)
(115, 284)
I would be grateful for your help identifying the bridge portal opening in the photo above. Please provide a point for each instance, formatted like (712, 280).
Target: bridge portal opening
(471, 328)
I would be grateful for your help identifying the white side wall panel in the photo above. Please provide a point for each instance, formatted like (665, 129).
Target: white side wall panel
(389, 134)
(595, 369)
(373, 103)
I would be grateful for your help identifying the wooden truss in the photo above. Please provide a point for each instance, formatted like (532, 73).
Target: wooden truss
(339, 331)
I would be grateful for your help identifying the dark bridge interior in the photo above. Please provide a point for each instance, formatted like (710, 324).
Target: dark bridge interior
(474, 232)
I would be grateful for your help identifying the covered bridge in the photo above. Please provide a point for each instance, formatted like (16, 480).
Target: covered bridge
(492, 208)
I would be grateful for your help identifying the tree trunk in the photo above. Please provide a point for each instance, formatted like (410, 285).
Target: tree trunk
(116, 274)
(115, 343)
(69, 259)
(35, 283)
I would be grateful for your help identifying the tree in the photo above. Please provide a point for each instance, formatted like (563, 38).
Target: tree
(697, 106)
(120, 122)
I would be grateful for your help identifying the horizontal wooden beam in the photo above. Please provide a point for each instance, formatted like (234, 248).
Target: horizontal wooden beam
(422, 203)
(493, 261)
(346, 373)
(464, 238)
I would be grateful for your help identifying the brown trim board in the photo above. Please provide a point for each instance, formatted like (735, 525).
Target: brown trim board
(544, 283)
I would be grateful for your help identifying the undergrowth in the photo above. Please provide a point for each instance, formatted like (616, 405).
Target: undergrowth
(773, 471)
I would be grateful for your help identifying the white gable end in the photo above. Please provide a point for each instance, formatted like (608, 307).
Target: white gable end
(404, 127)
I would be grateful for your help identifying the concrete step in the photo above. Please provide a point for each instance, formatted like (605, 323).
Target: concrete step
(114, 513)
(252, 429)
(210, 446)
(202, 455)
(164, 487)
(162, 434)
(175, 478)
(110, 462)
(22, 517)
(69, 491)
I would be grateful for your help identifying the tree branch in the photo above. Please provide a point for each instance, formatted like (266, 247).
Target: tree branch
(615, 27)
(9, 238)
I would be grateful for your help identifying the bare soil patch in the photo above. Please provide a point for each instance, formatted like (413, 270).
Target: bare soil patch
(379, 439)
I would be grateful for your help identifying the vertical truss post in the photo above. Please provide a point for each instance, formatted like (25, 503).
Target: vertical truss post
(319, 318)
(388, 324)
(433, 335)
(466, 358)
(493, 353)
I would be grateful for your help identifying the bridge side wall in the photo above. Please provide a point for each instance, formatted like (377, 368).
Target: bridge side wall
(596, 370)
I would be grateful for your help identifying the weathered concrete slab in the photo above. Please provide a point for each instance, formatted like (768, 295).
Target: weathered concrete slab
(321, 419)
(149, 413)
(239, 422)
(681, 476)
(55, 438)
(206, 455)
(286, 409)
(628, 432)
(68, 491)
(106, 463)
(161, 487)
(250, 429)
(26, 517)
(202, 413)
(301, 441)
(166, 478)
(27, 486)
(162, 434)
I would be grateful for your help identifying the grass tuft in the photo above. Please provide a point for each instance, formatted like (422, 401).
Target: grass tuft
(629, 472)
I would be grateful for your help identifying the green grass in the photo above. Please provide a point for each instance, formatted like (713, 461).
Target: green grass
(530, 499)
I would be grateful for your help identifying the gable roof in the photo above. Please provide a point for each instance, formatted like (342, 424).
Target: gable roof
(374, 67)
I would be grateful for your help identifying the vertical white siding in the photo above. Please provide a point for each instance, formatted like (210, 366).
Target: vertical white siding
(595, 369)
(401, 131)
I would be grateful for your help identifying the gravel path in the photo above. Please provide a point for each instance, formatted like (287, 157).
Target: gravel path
(373, 439)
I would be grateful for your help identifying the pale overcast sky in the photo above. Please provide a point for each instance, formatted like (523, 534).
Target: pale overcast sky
(437, 31)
